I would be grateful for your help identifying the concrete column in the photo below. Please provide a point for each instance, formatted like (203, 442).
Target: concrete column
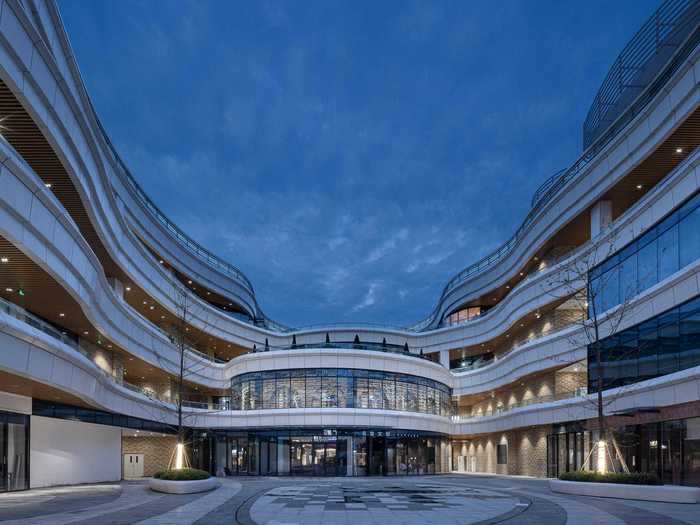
(601, 217)
(445, 358)
(117, 286)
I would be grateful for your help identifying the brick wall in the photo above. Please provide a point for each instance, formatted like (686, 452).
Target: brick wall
(527, 451)
(541, 386)
(156, 451)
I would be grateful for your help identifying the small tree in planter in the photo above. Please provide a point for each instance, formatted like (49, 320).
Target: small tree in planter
(188, 362)
(579, 280)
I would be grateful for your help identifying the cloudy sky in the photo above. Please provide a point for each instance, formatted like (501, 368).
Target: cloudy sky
(349, 157)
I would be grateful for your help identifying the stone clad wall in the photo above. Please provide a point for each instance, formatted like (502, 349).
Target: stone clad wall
(156, 451)
(527, 452)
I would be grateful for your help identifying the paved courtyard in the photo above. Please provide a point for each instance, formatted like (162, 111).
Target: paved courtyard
(449, 499)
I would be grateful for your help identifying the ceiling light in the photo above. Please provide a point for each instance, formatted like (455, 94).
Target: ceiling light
(639, 186)
(162, 317)
(189, 282)
(48, 184)
(128, 288)
(9, 290)
(151, 307)
(208, 293)
(61, 314)
(679, 150)
(85, 332)
(521, 274)
(145, 302)
(507, 287)
(4, 260)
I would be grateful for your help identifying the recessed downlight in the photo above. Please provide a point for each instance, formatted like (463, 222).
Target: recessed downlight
(639, 186)
(48, 185)
(4, 260)
(679, 150)
(128, 288)
(9, 289)
(61, 314)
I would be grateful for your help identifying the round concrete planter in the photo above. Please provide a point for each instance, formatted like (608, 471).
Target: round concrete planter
(183, 487)
(665, 493)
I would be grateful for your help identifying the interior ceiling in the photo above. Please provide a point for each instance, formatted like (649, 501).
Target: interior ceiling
(641, 179)
(20, 131)
(46, 298)
(503, 342)
(22, 386)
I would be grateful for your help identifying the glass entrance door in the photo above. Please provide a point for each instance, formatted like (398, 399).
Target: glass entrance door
(13, 451)
(3, 454)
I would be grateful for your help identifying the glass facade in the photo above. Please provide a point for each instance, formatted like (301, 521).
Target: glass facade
(322, 452)
(671, 244)
(14, 451)
(668, 449)
(339, 388)
(667, 343)
(464, 315)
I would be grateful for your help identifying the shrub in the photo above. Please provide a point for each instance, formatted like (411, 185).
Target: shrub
(185, 474)
(632, 478)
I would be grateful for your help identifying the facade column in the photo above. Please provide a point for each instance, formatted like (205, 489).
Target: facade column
(445, 358)
(117, 286)
(601, 217)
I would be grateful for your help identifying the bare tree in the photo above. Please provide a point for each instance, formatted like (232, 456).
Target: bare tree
(604, 300)
(188, 362)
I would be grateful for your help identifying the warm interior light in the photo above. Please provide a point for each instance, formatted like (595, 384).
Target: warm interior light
(679, 150)
(61, 314)
(128, 288)
(48, 184)
(4, 260)
(9, 290)
(602, 465)
(179, 456)
(639, 186)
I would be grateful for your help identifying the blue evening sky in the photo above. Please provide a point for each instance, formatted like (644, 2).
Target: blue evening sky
(349, 157)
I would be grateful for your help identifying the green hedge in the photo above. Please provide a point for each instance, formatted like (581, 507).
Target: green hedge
(185, 474)
(633, 478)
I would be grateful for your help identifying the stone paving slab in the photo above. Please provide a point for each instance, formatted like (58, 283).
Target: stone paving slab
(425, 500)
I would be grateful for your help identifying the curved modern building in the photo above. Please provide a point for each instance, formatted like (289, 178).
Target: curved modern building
(100, 292)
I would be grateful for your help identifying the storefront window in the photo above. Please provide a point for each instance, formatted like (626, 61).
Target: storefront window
(662, 250)
(668, 343)
(339, 388)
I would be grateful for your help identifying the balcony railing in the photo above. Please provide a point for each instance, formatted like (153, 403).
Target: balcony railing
(674, 27)
(374, 347)
(578, 393)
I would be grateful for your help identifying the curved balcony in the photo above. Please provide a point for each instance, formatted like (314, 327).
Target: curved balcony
(677, 35)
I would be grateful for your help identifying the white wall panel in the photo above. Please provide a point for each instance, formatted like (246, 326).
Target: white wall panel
(66, 452)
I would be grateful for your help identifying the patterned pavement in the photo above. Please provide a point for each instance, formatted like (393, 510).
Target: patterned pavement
(429, 500)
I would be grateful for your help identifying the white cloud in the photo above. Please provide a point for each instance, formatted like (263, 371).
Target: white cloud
(370, 297)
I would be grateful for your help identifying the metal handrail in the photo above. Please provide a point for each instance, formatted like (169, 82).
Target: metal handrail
(579, 392)
(374, 347)
(190, 244)
(663, 72)
(633, 69)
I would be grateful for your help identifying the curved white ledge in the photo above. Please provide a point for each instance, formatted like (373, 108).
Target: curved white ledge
(36, 356)
(52, 89)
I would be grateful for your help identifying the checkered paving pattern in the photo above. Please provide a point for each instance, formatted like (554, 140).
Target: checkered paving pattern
(395, 497)
(379, 503)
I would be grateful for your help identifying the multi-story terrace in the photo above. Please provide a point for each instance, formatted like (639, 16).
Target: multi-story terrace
(500, 377)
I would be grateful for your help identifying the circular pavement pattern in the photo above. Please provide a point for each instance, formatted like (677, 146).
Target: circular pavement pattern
(382, 503)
